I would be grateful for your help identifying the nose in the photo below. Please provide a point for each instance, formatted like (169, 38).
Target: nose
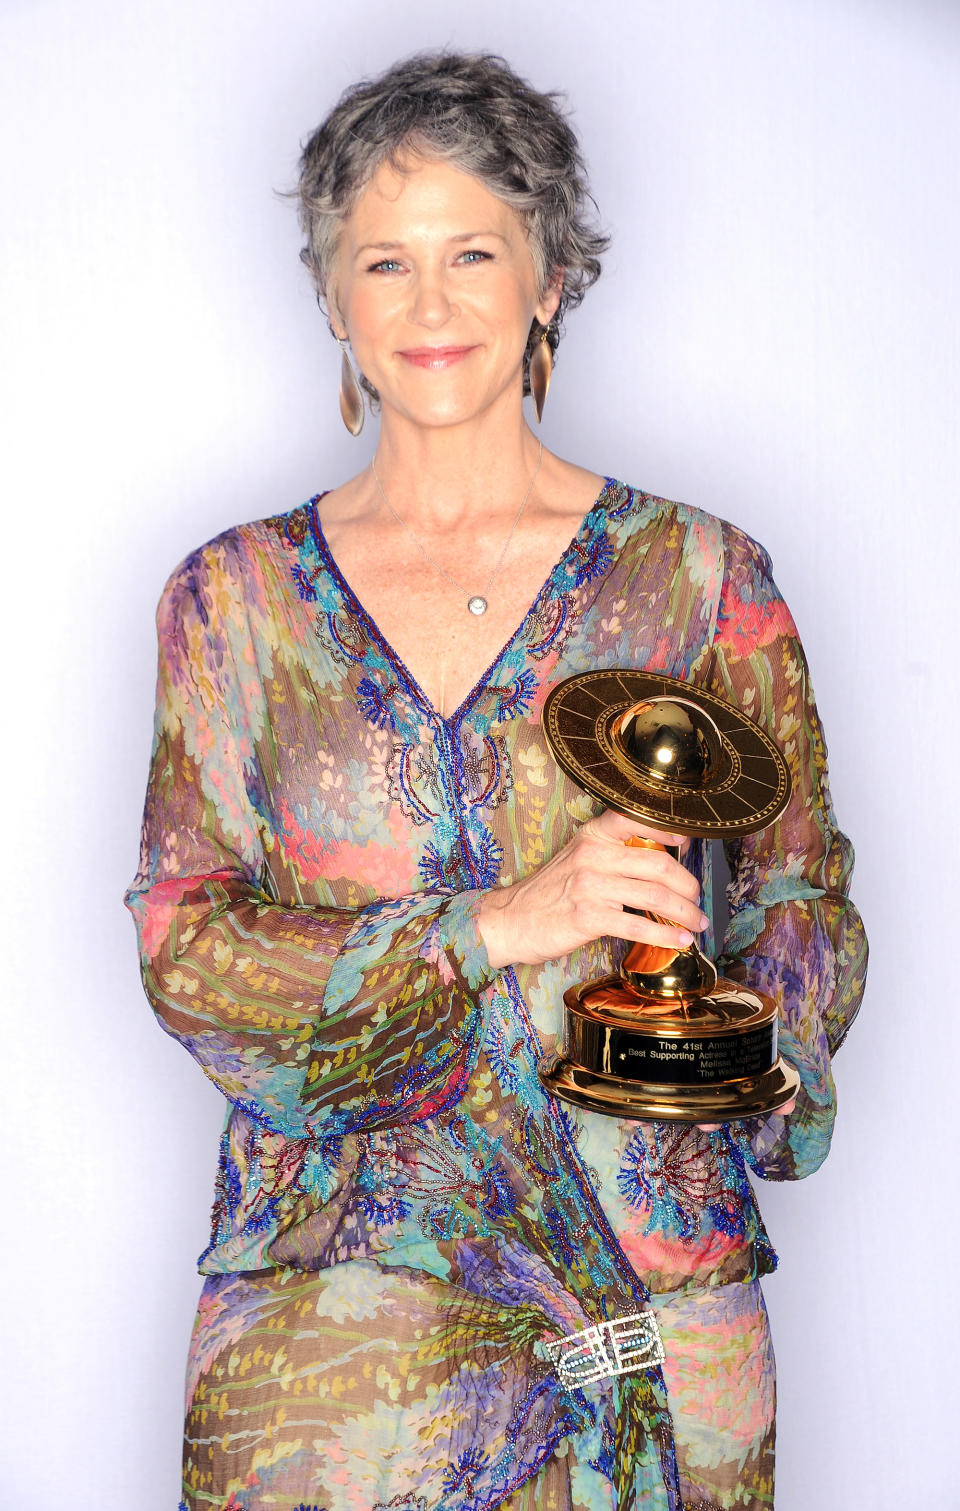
(432, 305)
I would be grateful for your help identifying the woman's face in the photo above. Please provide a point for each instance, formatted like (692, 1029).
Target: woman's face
(435, 286)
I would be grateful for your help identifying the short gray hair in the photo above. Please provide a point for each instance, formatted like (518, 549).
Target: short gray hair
(472, 110)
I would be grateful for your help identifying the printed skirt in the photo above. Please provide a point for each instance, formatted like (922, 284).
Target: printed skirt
(363, 1388)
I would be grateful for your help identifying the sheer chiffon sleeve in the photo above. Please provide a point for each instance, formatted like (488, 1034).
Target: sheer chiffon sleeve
(793, 930)
(316, 1021)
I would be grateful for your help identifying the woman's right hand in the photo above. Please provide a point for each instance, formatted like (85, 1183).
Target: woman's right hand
(582, 892)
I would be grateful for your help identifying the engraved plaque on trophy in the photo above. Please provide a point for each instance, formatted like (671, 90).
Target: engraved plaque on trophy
(668, 1038)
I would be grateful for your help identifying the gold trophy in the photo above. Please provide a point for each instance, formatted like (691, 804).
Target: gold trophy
(668, 1038)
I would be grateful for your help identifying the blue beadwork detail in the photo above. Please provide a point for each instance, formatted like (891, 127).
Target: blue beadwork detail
(374, 701)
(677, 1177)
(305, 588)
(461, 1474)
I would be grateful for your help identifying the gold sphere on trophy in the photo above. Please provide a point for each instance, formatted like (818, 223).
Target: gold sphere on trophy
(668, 1037)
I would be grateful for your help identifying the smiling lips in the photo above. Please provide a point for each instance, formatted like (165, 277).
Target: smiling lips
(435, 357)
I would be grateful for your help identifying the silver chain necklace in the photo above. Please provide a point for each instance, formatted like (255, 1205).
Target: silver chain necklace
(477, 604)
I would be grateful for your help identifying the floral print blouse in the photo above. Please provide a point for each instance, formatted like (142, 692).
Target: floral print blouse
(315, 844)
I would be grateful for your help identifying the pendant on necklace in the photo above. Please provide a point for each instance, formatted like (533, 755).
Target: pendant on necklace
(477, 605)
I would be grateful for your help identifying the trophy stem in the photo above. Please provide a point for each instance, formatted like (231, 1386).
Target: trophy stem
(656, 972)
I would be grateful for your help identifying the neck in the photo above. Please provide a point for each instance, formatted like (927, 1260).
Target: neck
(444, 472)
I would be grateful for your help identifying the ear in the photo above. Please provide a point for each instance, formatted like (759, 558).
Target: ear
(549, 301)
(327, 303)
(334, 318)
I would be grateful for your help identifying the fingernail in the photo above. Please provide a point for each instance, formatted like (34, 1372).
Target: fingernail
(704, 920)
(685, 936)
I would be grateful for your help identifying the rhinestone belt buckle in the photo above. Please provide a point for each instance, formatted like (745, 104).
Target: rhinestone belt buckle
(613, 1348)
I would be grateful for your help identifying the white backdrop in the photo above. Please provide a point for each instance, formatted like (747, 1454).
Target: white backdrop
(774, 339)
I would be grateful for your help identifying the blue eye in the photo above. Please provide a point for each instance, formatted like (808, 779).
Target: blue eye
(475, 255)
(387, 265)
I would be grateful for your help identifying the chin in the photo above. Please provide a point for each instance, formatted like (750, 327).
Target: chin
(446, 409)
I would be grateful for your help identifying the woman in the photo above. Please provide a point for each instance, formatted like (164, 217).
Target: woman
(365, 885)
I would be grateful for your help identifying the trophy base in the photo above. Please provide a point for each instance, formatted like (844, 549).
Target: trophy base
(709, 1060)
(667, 1102)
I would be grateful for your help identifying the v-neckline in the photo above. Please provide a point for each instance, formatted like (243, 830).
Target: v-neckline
(586, 528)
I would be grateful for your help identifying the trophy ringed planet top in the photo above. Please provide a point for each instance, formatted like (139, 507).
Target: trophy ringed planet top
(666, 753)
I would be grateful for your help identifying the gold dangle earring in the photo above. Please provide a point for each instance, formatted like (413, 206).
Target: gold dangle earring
(541, 368)
(351, 394)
